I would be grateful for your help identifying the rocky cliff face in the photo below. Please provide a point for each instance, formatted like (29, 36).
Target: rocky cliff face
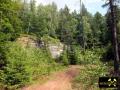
(55, 49)
(27, 41)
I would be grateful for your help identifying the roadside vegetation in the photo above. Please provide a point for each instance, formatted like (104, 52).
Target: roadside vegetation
(93, 69)
(25, 64)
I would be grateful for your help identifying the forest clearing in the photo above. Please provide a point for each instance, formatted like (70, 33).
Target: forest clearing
(59, 44)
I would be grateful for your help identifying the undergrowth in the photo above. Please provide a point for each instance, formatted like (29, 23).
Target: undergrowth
(94, 68)
(25, 64)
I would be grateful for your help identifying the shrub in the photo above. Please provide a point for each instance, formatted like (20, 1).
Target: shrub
(15, 72)
(94, 68)
(72, 56)
(64, 58)
(108, 55)
(50, 40)
(88, 56)
(25, 64)
(89, 76)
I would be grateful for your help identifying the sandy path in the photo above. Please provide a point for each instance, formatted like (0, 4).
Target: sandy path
(59, 81)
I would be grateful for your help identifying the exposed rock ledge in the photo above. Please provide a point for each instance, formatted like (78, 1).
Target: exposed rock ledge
(55, 49)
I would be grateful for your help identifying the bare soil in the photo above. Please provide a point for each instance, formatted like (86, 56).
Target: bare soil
(59, 81)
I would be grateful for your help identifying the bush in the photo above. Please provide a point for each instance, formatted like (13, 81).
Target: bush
(25, 64)
(15, 72)
(89, 76)
(69, 56)
(88, 56)
(94, 68)
(49, 40)
(72, 55)
(108, 55)
(64, 58)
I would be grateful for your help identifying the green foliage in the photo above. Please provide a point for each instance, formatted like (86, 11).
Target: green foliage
(3, 60)
(108, 55)
(40, 20)
(64, 58)
(90, 75)
(20, 65)
(69, 56)
(10, 24)
(25, 64)
(88, 56)
(49, 40)
(93, 68)
(75, 55)
(67, 26)
(99, 29)
(87, 32)
(72, 56)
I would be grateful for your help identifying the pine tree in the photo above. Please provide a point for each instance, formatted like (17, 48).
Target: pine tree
(10, 24)
(112, 10)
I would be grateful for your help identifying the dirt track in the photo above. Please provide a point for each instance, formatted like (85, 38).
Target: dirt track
(59, 81)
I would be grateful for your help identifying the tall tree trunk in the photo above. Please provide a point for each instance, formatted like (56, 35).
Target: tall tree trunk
(115, 42)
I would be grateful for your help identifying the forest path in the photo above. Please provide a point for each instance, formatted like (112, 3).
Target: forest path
(59, 81)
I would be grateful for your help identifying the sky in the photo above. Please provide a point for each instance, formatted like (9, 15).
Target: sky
(92, 5)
